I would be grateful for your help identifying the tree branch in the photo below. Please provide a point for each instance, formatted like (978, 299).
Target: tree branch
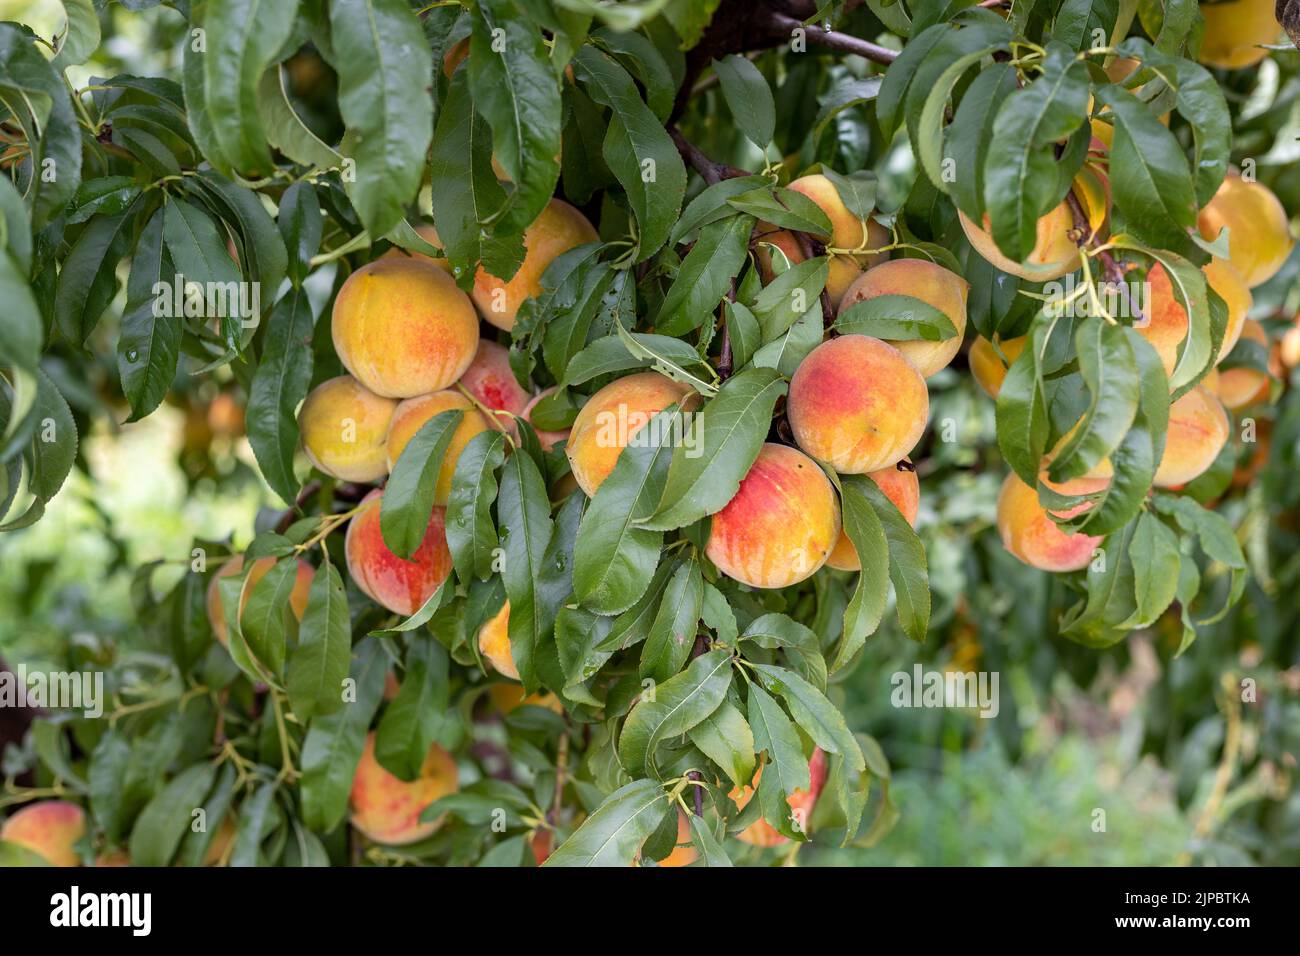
(833, 40)
(712, 172)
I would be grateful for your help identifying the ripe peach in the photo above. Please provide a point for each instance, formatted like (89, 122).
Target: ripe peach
(411, 416)
(558, 229)
(506, 697)
(842, 270)
(1198, 430)
(802, 802)
(987, 368)
(494, 643)
(387, 809)
(1259, 238)
(1029, 532)
(1167, 327)
(491, 380)
(547, 439)
(933, 285)
(49, 828)
(780, 526)
(399, 585)
(402, 327)
(847, 230)
(297, 596)
(857, 404)
(343, 426)
(903, 488)
(611, 417)
(1234, 32)
(1239, 387)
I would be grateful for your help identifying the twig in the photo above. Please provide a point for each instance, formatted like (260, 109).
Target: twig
(711, 171)
(834, 40)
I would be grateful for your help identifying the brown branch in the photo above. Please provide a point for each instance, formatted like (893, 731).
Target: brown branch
(833, 40)
(711, 171)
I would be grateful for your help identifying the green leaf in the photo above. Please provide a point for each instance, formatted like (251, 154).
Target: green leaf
(80, 36)
(524, 514)
(411, 722)
(638, 150)
(1109, 369)
(612, 835)
(1154, 552)
(785, 208)
(198, 251)
(726, 738)
(471, 535)
(968, 136)
(516, 91)
(748, 97)
(908, 570)
(775, 733)
(867, 606)
(319, 663)
(813, 712)
(790, 296)
(384, 72)
(730, 431)
(263, 623)
(163, 822)
(705, 275)
(896, 318)
(610, 353)
(279, 385)
(148, 347)
(87, 278)
(333, 745)
(408, 496)
(746, 334)
(614, 560)
(678, 704)
(672, 635)
(258, 818)
(711, 205)
(712, 852)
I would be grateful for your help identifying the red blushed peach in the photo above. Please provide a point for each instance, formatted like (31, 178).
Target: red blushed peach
(987, 368)
(547, 439)
(343, 427)
(399, 585)
(933, 285)
(857, 404)
(611, 417)
(802, 802)
(1167, 327)
(781, 524)
(297, 596)
(903, 488)
(1198, 430)
(847, 230)
(1029, 532)
(414, 413)
(387, 809)
(402, 328)
(491, 380)
(1259, 237)
(494, 643)
(1239, 387)
(50, 828)
(558, 229)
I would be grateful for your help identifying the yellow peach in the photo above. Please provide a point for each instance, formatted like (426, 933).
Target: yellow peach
(343, 427)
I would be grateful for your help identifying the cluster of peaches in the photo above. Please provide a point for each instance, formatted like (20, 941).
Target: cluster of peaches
(1259, 243)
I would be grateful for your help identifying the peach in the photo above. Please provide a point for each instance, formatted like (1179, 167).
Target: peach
(387, 809)
(611, 417)
(1259, 237)
(494, 643)
(547, 439)
(403, 328)
(1239, 387)
(1198, 430)
(343, 427)
(987, 367)
(1234, 32)
(802, 802)
(903, 488)
(491, 380)
(847, 230)
(113, 858)
(50, 829)
(1029, 532)
(297, 596)
(399, 585)
(842, 270)
(857, 404)
(558, 229)
(506, 697)
(1167, 327)
(411, 416)
(780, 526)
(933, 285)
